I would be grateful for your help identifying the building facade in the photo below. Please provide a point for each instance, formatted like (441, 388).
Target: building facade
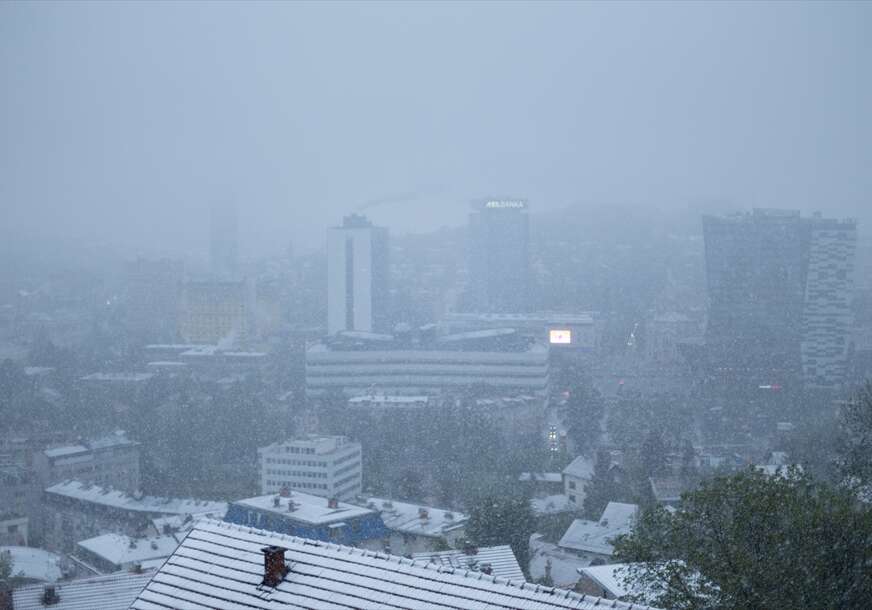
(779, 288)
(153, 294)
(110, 461)
(217, 311)
(357, 276)
(327, 466)
(499, 258)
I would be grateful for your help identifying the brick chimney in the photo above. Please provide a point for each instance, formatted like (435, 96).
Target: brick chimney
(423, 515)
(469, 548)
(274, 568)
(332, 503)
(285, 491)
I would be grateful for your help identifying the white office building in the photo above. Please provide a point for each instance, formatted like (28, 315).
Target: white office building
(357, 276)
(328, 466)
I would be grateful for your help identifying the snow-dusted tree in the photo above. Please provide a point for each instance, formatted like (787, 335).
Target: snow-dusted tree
(754, 541)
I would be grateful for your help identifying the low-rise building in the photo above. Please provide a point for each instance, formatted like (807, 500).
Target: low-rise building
(113, 592)
(419, 529)
(110, 460)
(575, 477)
(497, 560)
(114, 552)
(307, 516)
(32, 564)
(76, 511)
(327, 466)
(19, 504)
(592, 540)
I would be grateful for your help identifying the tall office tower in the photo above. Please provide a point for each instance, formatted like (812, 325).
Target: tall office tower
(499, 260)
(153, 295)
(357, 276)
(779, 291)
(828, 318)
(223, 239)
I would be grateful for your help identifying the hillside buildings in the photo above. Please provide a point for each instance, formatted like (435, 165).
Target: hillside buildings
(327, 466)
(357, 276)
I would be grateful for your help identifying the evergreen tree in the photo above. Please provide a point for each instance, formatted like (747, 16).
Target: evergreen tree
(503, 518)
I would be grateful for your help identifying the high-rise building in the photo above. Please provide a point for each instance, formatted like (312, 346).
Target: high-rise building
(223, 240)
(779, 289)
(328, 466)
(357, 276)
(499, 260)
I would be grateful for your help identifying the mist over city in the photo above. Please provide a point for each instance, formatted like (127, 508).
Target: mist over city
(371, 305)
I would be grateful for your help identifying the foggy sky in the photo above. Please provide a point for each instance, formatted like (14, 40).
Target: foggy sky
(122, 123)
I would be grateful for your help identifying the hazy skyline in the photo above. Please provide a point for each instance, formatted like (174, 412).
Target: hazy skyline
(123, 122)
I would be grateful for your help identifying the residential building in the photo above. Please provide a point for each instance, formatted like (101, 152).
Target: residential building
(115, 552)
(110, 461)
(301, 514)
(357, 277)
(780, 289)
(499, 561)
(327, 466)
(112, 592)
(592, 540)
(76, 511)
(224, 566)
(19, 504)
(419, 529)
(499, 257)
(575, 477)
(32, 564)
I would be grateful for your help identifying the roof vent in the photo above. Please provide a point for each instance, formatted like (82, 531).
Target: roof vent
(423, 514)
(332, 503)
(274, 568)
(292, 506)
(154, 545)
(486, 568)
(276, 501)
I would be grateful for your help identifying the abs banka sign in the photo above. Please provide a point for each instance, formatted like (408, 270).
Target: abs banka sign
(505, 204)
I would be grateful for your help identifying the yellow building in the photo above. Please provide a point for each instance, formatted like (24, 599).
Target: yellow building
(216, 311)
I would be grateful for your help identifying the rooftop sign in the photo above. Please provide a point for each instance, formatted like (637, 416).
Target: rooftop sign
(505, 203)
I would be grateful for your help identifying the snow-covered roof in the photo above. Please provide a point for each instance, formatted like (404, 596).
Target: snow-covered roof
(307, 508)
(120, 550)
(597, 536)
(33, 563)
(545, 477)
(609, 577)
(416, 519)
(382, 400)
(112, 592)
(501, 559)
(580, 468)
(550, 505)
(106, 496)
(220, 566)
(135, 377)
(37, 371)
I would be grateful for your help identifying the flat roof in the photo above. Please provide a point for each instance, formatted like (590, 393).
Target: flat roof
(106, 496)
(307, 508)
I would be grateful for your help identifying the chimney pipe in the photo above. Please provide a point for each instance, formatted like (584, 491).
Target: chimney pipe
(423, 514)
(274, 568)
(332, 503)
(50, 596)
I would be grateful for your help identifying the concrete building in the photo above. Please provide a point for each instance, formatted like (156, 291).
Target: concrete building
(357, 276)
(216, 311)
(327, 466)
(780, 289)
(496, 359)
(419, 529)
(301, 514)
(76, 511)
(109, 461)
(19, 504)
(115, 552)
(499, 258)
